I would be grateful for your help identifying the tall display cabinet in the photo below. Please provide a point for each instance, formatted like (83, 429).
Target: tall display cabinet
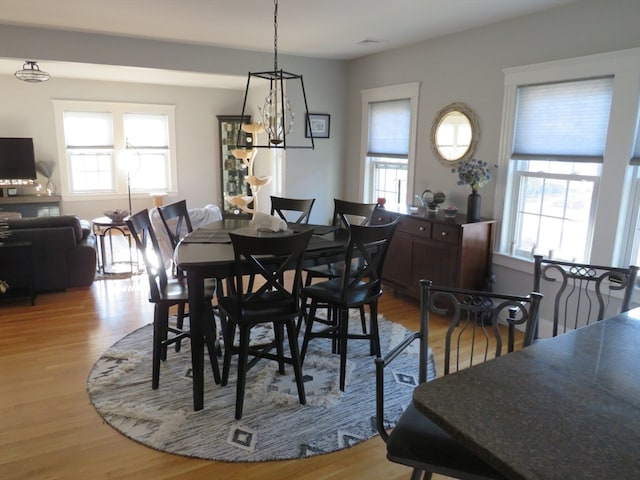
(232, 171)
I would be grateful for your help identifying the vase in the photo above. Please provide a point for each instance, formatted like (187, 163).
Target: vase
(50, 187)
(473, 206)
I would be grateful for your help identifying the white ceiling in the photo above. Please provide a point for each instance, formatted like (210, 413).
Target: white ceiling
(337, 29)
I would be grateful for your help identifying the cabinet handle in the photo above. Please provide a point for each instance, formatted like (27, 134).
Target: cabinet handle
(444, 234)
(422, 229)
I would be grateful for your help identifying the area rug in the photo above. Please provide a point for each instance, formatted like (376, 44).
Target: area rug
(274, 426)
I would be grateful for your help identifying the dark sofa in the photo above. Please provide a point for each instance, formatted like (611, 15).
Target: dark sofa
(63, 249)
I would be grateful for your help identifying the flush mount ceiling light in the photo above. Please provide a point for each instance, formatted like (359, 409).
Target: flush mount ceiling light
(276, 115)
(31, 73)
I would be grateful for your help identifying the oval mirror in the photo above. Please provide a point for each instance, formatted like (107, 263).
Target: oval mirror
(455, 133)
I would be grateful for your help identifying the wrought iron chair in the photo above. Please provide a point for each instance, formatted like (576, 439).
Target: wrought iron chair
(165, 293)
(582, 293)
(275, 302)
(283, 206)
(482, 325)
(356, 287)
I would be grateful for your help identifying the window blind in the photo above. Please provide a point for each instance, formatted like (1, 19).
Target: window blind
(389, 127)
(635, 157)
(564, 121)
(88, 129)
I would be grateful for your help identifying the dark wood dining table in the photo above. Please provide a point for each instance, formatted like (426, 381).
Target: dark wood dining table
(207, 253)
(564, 408)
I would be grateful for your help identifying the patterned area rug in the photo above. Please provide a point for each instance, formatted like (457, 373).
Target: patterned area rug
(274, 425)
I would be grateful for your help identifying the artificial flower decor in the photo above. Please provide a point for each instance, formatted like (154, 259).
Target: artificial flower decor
(473, 172)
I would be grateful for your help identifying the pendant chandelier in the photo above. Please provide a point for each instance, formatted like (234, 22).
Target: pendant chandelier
(31, 73)
(276, 116)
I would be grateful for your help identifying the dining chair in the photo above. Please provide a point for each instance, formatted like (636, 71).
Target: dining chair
(582, 293)
(356, 287)
(286, 207)
(481, 325)
(165, 293)
(345, 214)
(177, 223)
(275, 301)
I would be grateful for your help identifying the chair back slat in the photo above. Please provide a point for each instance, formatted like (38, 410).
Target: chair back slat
(285, 207)
(139, 224)
(366, 253)
(481, 325)
(583, 293)
(347, 213)
(178, 215)
(267, 259)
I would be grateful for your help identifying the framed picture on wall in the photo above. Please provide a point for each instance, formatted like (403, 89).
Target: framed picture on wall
(319, 123)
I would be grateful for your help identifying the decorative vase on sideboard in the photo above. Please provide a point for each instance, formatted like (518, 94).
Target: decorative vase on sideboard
(473, 206)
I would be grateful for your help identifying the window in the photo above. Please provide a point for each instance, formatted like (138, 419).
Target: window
(113, 148)
(570, 190)
(389, 115)
(559, 140)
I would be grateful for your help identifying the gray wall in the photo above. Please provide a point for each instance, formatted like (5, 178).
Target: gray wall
(468, 67)
(27, 109)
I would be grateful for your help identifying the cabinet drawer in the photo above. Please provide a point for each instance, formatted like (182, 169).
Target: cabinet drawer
(446, 233)
(381, 217)
(415, 227)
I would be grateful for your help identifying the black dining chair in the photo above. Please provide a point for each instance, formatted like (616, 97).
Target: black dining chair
(356, 287)
(481, 325)
(165, 293)
(292, 210)
(177, 223)
(274, 301)
(582, 293)
(345, 214)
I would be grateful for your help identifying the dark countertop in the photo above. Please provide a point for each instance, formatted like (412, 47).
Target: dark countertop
(563, 408)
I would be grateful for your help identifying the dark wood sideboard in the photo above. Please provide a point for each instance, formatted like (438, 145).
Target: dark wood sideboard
(449, 251)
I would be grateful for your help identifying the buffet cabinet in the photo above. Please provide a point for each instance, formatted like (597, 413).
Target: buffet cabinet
(449, 251)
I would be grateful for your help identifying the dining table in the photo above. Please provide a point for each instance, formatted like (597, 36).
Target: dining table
(207, 252)
(566, 407)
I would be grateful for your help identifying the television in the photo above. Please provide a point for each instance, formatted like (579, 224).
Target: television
(17, 159)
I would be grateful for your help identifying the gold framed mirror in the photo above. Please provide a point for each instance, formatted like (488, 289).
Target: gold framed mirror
(455, 133)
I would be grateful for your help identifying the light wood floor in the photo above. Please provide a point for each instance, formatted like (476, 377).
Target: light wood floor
(49, 429)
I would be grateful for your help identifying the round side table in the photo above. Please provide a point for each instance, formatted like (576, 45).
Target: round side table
(104, 227)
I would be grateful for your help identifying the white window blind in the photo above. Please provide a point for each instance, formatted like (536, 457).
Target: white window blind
(88, 129)
(389, 128)
(564, 121)
(635, 157)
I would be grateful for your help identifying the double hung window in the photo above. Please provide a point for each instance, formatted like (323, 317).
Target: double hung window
(389, 116)
(113, 149)
(558, 147)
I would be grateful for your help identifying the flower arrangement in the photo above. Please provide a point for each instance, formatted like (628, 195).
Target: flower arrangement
(473, 172)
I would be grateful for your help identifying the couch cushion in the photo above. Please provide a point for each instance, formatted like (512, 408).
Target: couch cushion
(49, 222)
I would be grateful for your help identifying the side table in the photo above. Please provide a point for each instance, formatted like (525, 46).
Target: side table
(104, 227)
(16, 268)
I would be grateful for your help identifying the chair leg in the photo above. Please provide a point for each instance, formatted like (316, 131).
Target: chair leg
(211, 341)
(229, 336)
(180, 323)
(307, 332)
(417, 474)
(343, 332)
(243, 357)
(363, 320)
(278, 331)
(295, 360)
(373, 327)
(160, 319)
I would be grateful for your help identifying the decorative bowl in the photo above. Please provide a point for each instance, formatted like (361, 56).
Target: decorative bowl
(450, 212)
(116, 215)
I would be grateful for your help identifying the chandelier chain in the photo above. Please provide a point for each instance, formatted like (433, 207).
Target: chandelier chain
(275, 35)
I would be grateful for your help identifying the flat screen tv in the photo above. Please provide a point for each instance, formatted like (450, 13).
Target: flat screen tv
(17, 159)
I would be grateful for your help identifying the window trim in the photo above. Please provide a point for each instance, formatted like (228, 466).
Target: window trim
(383, 94)
(118, 109)
(608, 245)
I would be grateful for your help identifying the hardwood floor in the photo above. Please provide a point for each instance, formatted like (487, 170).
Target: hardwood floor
(49, 429)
